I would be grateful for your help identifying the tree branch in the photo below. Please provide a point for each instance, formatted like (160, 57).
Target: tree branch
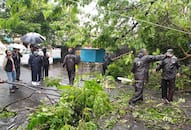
(184, 52)
(187, 56)
(18, 100)
(136, 23)
(36, 91)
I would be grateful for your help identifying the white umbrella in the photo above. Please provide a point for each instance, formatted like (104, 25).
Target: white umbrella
(18, 46)
(2, 46)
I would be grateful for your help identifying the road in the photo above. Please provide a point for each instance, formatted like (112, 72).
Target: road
(19, 100)
(56, 70)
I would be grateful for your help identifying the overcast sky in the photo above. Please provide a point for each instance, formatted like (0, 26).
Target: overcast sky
(87, 10)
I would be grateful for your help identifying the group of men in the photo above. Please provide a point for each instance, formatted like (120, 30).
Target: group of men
(36, 62)
(168, 63)
(39, 65)
(170, 69)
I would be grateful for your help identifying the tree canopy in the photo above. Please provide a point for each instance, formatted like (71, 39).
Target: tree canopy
(139, 23)
(56, 20)
(146, 23)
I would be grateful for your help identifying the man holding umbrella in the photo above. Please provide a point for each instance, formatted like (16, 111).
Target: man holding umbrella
(35, 63)
(35, 60)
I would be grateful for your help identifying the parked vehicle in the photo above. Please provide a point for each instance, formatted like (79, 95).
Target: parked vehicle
(26, 54)
(56, 53)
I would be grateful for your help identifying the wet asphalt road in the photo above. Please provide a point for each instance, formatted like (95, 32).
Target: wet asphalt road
(6, 97)
(25, 99)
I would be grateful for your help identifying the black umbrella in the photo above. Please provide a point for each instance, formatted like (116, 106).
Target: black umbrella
(33, 38)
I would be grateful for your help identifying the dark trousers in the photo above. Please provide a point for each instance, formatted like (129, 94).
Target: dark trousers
(71, 76)
(168, 87)
(18, 72)
(138, 96)
(45, 71)
(36, 75)
(104, 68)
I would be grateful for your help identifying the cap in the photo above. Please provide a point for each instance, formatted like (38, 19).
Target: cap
(70, 50)
(169, 52)
(143, 50)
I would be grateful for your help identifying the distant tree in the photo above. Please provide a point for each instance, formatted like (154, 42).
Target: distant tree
(57, 21)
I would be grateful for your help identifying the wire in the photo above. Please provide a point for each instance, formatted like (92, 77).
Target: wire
(155, 24)
(151, 23)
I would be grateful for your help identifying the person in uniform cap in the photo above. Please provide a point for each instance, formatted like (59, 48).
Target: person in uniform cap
(70, 62)
(140, 70)
(106, 61)
(170, 69)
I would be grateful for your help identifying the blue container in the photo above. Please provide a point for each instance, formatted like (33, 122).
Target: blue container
(92, 55)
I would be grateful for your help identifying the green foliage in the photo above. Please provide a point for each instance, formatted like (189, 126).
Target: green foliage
(52, 82)
(160, 116)
(121, 67)
(154, 80)
(182, 82)
(7, 114)
(151, 24)
(42, 16)
(87, 126)
(115, 69)
(79, 108)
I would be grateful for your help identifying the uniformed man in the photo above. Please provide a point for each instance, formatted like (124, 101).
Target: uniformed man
(70, 62)
(140, 70)
(169, 67)
(106, 61)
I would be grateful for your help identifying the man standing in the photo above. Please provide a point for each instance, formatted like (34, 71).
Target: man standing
(45, 63)
(70, 62)
(106, 61)
(17, 60)
(140, 70)
(35, 63)
(169, 67)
